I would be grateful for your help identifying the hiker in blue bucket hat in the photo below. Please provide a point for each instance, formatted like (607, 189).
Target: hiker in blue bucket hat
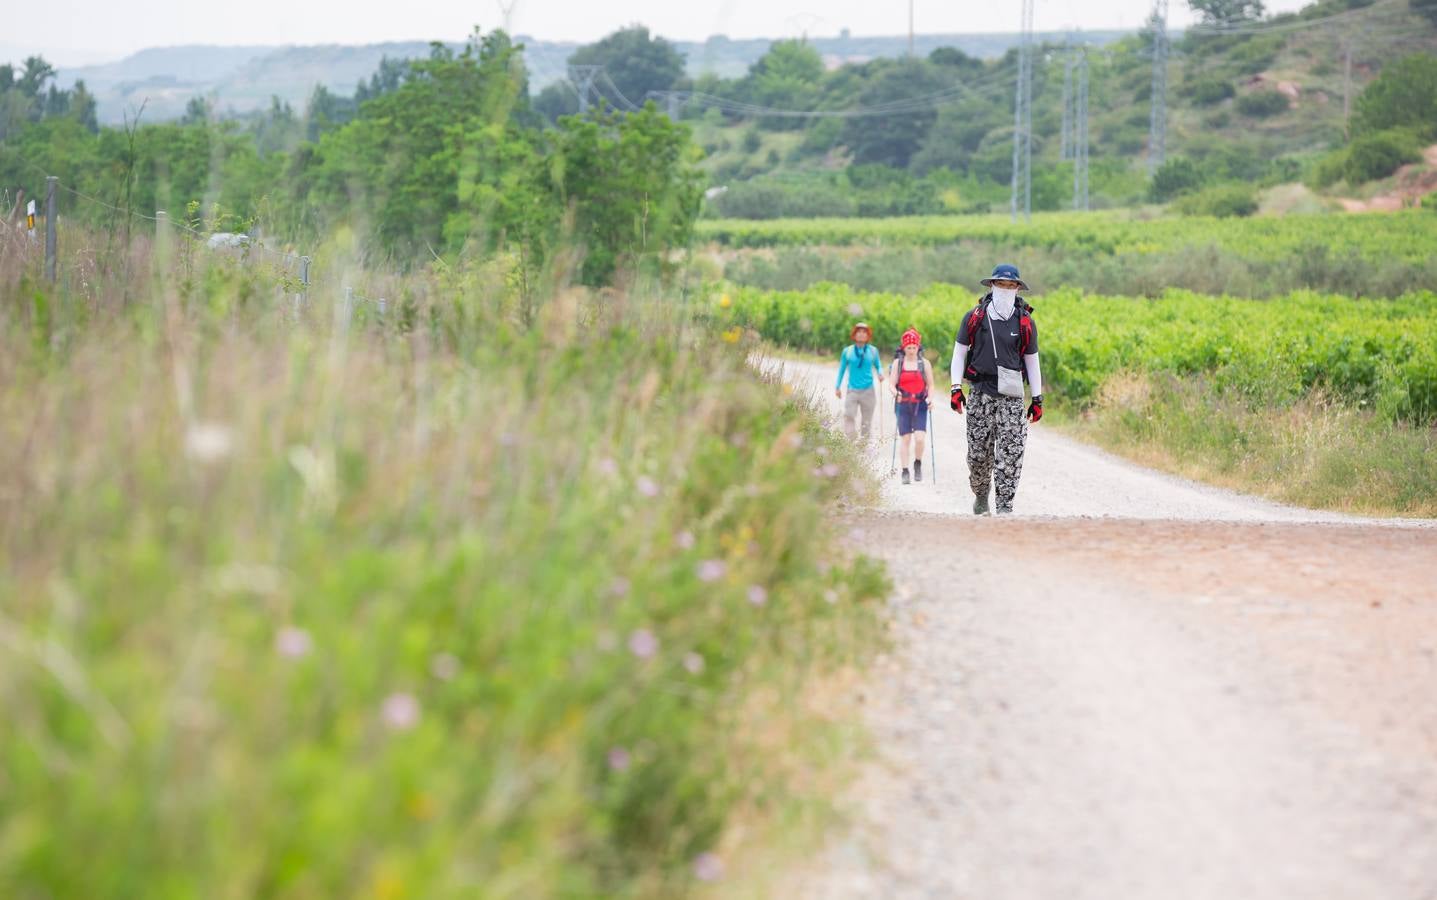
(996, 352)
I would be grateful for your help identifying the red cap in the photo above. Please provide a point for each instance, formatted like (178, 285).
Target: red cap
(912, 338)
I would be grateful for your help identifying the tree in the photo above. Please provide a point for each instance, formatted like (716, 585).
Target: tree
(788, 76)
(1227, 12)
(197, 111)
(958, 132)
(954, 58)
(83, 108)
(893, 138)
(632, 185)
(635, 62)
(556, 100)
(327, 111)
(1404, 95)
(426, 166)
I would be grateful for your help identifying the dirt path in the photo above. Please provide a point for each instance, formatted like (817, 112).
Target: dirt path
(1141, 687)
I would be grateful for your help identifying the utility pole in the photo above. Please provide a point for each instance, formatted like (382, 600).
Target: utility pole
(1080, 144)
(1065, 144)
(1023, 121)
(910, 29)
(51, 240)
(1347, 87)
(1158, 130)
(673, 101)
(582, 78)
(506, 9)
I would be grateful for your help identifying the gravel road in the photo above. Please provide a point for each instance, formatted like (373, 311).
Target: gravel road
(1138, 687)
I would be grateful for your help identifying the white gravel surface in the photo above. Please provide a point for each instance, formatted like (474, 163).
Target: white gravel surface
(1139, 687)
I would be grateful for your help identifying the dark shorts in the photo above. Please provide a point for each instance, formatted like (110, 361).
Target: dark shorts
(912, 417)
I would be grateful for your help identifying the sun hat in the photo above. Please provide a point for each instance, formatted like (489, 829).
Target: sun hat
(1005, 272)
(911, 338)
(852, 332)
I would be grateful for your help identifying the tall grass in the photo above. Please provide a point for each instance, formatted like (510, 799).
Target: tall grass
(1315, 452)
(304, 604)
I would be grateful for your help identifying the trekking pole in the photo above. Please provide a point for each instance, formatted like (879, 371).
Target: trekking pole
(933, 442)
(893, 459)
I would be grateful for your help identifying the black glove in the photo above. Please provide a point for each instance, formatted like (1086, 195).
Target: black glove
(955, 398)
(1035, 409)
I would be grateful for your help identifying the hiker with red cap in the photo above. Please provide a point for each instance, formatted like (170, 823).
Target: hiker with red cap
(996, 351)
(859, 361)
(911, 383)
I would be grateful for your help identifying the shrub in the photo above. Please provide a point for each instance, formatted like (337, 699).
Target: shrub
(1175, 177)
(1262, 104)
(1405, 94)
(1329, 169)
(1374, 156)
(1207, 91)
(1256, 53)
(1223, 201)
(752, 140)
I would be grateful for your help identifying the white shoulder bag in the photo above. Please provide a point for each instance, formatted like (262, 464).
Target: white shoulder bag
(1010, 381)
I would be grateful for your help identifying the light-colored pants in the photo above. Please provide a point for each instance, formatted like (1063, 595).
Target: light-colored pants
(864, 401)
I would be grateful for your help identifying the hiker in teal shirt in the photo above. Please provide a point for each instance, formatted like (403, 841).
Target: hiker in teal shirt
(859, 362)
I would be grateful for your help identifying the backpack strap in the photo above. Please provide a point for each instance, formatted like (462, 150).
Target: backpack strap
(975, 322)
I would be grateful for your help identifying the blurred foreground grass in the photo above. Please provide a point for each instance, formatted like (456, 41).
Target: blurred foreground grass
(427, 605)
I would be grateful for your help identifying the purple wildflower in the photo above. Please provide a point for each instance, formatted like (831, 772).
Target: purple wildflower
(712, 570)
(708, 867)
(619, 759)
(401, 711)
(694, 663)
(757, 595)
(292, 643)
(643, 644)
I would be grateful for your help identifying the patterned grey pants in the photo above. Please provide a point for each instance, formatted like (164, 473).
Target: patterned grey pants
(997, 434)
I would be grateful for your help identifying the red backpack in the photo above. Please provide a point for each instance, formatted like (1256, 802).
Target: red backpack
(1025, 332)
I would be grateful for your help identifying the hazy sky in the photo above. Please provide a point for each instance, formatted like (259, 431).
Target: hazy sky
(73, 32)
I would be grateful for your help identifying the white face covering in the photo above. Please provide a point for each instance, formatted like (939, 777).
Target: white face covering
(1003, 300)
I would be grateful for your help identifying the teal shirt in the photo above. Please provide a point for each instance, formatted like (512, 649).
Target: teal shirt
(860, 369)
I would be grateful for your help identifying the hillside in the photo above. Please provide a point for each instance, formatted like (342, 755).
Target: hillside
(1252, 107)
(243, 79)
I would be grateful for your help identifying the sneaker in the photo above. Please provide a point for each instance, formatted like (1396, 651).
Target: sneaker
(980, 505)
(905, 476)
(917, 470)
(1005, 511)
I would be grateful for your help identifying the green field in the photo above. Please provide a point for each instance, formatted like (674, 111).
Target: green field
(1408, 236)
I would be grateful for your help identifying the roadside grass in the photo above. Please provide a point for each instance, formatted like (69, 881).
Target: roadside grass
(429, 604)
(1314, 453)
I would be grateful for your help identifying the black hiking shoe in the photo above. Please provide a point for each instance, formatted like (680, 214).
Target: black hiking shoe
(905, 476)
(980, 505)
(917, 470)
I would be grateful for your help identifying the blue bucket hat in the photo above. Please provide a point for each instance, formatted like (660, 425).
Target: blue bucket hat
(1005, 272)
